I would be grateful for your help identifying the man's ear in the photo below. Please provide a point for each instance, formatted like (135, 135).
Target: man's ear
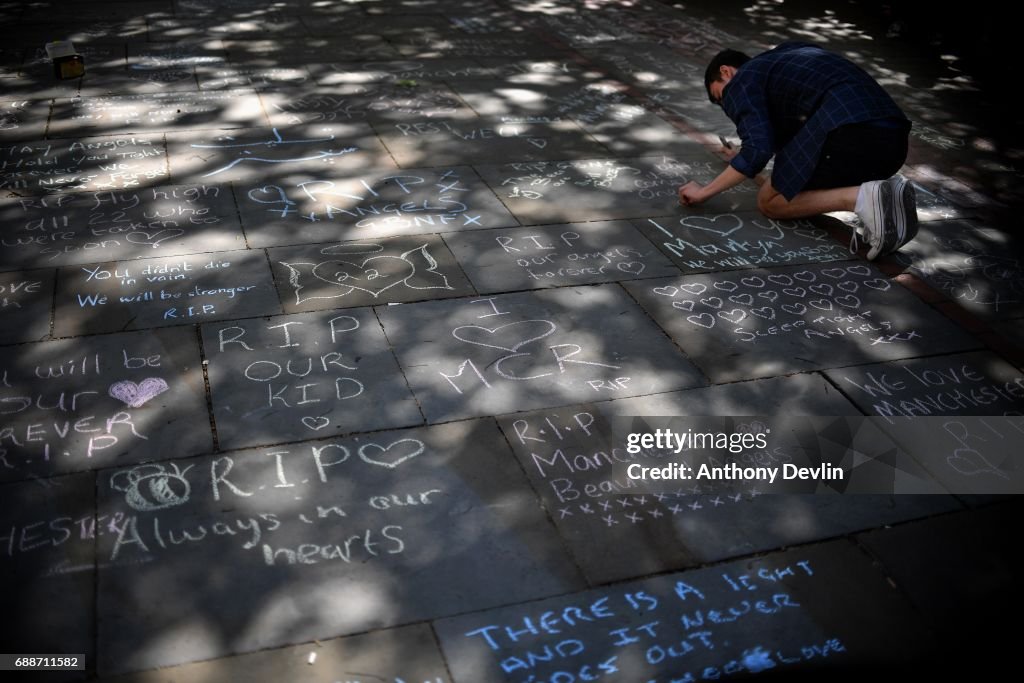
(726, 72)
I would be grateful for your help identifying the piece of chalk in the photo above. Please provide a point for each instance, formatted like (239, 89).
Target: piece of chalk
(312, 658)
(725, 143)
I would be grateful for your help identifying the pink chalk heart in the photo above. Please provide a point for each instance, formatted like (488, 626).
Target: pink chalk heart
(135, 395)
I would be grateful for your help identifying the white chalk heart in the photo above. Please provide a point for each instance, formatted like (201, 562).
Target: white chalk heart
(795, 309)
(821, 304)
(783, 280)
(704, 320)
(770, 295)
(834, 273)
(805, 276)
(685, 305)
(878, 283)
(712, 302)
(766, 312)
(755, 282)
(316, 423)
(859, 270)
(848, 300)
(822, 289)
(695, 288)
(666, 291)
(393, 455)
(632, 267)
(726, 286)
(482, 336)
(728, 225)
(848, 286)
(733, 316)
(135, 395)
(742, 299)
(795, 291)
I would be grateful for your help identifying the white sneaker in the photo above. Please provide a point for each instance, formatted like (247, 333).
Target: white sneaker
(889, 215)
(872, 213)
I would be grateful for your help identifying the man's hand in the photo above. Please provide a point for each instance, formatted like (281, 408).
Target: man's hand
(691, 194)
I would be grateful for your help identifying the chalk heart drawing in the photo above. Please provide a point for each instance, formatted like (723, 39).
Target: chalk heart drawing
(316, 423)
(723, 225)
(631, 267)
(391, 456)
(703, 319)
(373, 275)
(686, 305)
(153, 238)
(136, 395)
(970, 462)
(539, 143)
(527, 331)
(153, 487)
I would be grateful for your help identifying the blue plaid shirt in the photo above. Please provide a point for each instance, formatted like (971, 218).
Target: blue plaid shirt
(785, 101)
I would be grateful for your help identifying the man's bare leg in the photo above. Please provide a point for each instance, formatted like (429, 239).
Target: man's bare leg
(808, 203)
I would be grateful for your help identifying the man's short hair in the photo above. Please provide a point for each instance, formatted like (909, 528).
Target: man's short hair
(726, 57)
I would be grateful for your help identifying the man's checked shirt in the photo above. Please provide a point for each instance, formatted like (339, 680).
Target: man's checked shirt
(785, 102)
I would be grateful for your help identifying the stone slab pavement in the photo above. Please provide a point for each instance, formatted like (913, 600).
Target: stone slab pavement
(318, 321)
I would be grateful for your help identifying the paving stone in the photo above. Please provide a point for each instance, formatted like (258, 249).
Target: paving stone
(72, 229)
(26, 299)
(732, 241)
(375, 102)
(394, 270)
(587, 30)
(975, 585)
(97, 55)
(309, 51)
(475, 46)
(38, 82)
(600, 108)
(409, 653)
(56, 11)
(245, 156)
(135, 295)
(308, 375)
(256, 26)
(480, 357)
(47, 561)
(768, 322)
(302, 210)
(82, 404)
(558, 255)
(396, 27)
(606, 189)
(176, 54)
(977, 457)
(332, 538)
(450, 69)
(227, 78)
(101, 83)
(23, 119)
(979, 268)
(650, 66)
(821, 610)
(575, 460)
(432, 141)
(157, 112)
(82, 30)
(100, 163)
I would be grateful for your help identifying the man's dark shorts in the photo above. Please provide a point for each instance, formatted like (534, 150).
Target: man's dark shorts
(859, 152)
